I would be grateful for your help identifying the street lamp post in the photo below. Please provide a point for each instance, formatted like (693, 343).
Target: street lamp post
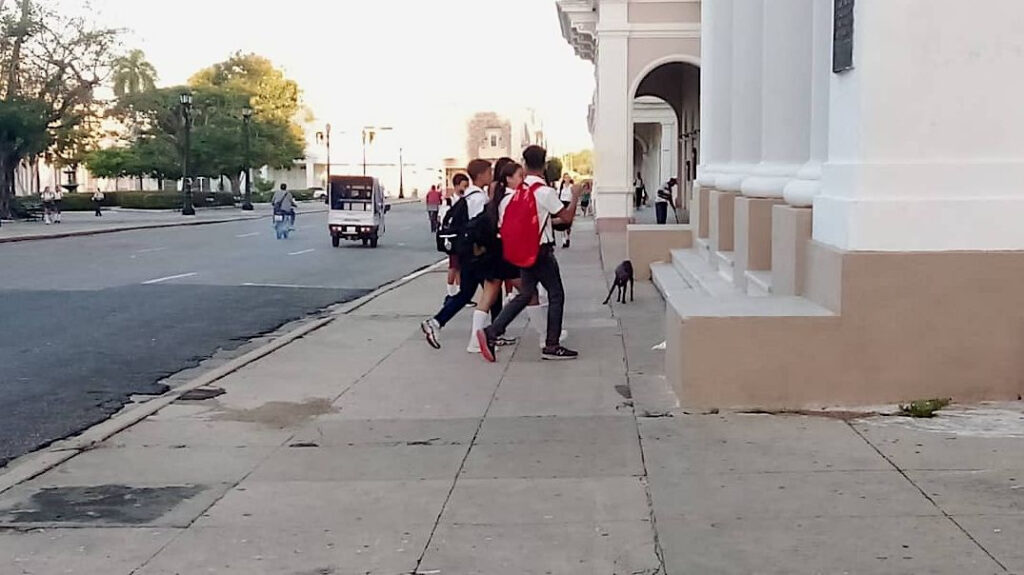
(247, 120)
(325, 138)
(187, 209)
(370, 132)
(401, 176)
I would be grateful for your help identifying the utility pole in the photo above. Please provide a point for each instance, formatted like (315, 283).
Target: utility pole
(401, 176)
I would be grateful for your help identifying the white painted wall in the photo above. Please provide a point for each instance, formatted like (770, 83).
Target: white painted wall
(927, 132)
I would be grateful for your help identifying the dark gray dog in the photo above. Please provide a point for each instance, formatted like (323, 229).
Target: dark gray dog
(623, 277)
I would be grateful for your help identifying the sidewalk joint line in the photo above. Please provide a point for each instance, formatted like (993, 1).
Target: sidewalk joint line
(928, 497)
(465, 458)
(658, 549)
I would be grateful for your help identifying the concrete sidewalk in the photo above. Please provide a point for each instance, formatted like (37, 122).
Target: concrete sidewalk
(358, 449)
(118, 220)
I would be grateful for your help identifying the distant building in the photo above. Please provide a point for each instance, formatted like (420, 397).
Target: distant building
(491, 136)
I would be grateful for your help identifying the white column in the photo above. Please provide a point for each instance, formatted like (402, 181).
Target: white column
(926, 144)
(716, 89)
(786, 99)
(747, 33)
(801, 192)
(613, 130)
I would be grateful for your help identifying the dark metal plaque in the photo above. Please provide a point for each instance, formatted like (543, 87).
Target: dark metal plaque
(842, 36)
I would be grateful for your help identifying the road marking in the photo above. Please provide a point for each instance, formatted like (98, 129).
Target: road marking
(150, 250)
(302, 252)
(169, 278)
(289, 286)
(247, 235)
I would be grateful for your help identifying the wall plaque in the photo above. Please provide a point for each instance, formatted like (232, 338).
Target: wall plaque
(842, 36)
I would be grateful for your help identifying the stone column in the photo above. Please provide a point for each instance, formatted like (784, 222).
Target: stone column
(801, 191)
(613, 132)
(746, 110)
(786, 99)
(715, 105)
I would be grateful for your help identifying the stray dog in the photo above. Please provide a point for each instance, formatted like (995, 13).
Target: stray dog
(623, 277)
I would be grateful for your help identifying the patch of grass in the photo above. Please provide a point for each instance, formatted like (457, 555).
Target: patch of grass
(924, 408)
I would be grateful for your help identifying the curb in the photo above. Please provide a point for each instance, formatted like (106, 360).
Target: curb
(38, 462)
(131, 228)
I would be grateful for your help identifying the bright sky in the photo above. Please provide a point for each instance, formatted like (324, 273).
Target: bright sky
(422, 66)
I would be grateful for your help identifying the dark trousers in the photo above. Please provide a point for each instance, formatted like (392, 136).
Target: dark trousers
(546, 273)
(638, 198)
(96, 204)
(469, 280)
(661, 210)
(434, 223)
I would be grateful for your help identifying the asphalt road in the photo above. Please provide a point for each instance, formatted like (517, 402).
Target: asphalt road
(87, 322)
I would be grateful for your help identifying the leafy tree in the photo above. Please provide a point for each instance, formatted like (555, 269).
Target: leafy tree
(217, 146)
(581, 162)
(274, 96)
(50, 65)
(133, 74)
(553, 170)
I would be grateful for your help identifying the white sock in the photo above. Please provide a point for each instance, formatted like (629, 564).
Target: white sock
(453, 290)
(542, 295)
(480, 320)
(538, 315)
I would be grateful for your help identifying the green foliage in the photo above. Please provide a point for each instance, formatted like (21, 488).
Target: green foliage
(262, 185)
(553, 170)
(581, 162)
(133, 74)
(924, 408)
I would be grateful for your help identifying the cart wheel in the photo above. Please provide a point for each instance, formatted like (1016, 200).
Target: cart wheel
(335, 241)
(373, 242)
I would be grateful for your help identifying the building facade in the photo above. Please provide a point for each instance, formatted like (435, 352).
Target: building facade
(855, 232)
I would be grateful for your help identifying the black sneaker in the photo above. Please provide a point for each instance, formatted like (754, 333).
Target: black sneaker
(487, 346)
(558, 353)
(429, 328)
(505, 341)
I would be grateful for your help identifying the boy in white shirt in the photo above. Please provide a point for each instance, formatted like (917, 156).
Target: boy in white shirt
(544, 271)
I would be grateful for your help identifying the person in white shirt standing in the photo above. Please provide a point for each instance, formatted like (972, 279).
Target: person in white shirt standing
(470, 274)
(49, 199)
(565, 194)
(544, 270)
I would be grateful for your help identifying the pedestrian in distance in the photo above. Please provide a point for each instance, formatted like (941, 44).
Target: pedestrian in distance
(49, 199)
(664, 200)
(565, 195)
(58, 203)
(433, 207)
(471, 277)
(97, 202)
(639, 191)
(585, 198)
(528, 239)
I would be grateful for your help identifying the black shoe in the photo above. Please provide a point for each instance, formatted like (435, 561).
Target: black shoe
(504, 341)
(487, 346)
(558, 353)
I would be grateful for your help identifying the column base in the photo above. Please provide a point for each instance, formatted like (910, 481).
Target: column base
(791, 230)
(753, 237)
(721, 217)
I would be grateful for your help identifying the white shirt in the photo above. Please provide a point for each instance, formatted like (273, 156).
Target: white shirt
(565, 193)
(476, 200)
(548, 206)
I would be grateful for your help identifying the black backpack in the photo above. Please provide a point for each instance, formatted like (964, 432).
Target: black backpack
(451, 236)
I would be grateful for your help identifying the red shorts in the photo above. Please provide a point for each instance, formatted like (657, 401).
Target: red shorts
(453, 262)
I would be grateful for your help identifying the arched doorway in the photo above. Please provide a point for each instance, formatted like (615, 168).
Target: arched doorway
(666, 116)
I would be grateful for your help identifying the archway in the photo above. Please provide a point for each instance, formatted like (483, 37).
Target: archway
(666, 115)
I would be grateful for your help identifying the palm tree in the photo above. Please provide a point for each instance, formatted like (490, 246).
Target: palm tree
(133, 74)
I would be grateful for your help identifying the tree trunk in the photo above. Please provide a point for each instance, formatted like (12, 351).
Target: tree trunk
(236, 184)
(6, 185)
(141, 184)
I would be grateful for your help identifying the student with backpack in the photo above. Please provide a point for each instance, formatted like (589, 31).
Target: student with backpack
(460, 184)
(454, 229)
(528, 241)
